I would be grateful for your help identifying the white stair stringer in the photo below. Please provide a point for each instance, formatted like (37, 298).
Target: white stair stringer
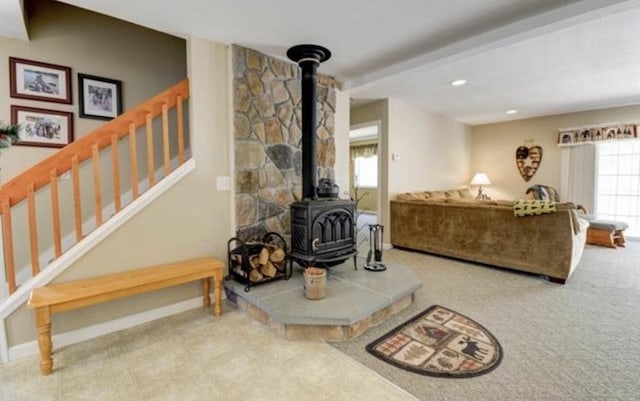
(23, 273)
(58, 266)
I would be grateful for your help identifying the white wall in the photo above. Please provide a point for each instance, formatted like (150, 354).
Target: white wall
(434, 151)
(494, 147)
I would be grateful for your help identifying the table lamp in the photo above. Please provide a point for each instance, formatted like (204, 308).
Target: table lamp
(480, 179)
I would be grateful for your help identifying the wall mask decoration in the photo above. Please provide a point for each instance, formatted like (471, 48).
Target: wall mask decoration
(528, 159)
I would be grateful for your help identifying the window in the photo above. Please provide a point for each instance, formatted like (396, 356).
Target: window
(365, 172)
(618, 178)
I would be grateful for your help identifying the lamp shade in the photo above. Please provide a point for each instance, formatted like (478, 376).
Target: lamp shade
(480, 179)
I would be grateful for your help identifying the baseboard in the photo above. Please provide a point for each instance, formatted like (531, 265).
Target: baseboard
(4, 352)
(86, 333)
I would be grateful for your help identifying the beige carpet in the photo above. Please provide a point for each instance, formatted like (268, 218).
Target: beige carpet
(580, 341)
(574, 342)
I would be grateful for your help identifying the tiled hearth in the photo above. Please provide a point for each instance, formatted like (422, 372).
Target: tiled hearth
(356, 300)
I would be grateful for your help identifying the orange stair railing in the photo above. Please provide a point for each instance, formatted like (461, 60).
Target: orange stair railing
(46, 174)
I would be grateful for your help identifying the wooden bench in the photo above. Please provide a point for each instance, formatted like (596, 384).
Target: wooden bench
(607, 233)
(57, 298)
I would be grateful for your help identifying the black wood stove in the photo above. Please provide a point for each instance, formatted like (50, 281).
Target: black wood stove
(323, 227)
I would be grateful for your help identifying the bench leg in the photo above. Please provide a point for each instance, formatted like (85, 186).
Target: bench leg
(600, 237)
(206, 300)
(618, 238)
(217, 288)
(43, 323)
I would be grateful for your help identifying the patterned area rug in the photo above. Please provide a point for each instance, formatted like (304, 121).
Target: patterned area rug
(439, 342)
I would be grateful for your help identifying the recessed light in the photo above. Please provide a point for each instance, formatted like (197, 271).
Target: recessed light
(458, 82)
(511, 111)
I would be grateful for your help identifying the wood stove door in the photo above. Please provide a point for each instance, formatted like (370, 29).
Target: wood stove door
(333, 233)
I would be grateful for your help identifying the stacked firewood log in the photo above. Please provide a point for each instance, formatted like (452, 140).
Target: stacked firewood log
(265, 262)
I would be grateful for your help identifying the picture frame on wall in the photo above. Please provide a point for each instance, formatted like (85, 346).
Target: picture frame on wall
(42, 127)
(565, 138)
(35, 80)
(100, 98)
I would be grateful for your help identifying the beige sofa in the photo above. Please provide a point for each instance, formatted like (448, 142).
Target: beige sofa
(487, 232)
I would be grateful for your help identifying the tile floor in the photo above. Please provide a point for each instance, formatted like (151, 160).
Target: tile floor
(194, 356)
(351, 295)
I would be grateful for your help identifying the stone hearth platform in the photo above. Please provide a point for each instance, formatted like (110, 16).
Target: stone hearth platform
(356, 300)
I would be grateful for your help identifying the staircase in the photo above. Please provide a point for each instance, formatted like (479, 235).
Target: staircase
(55, 211)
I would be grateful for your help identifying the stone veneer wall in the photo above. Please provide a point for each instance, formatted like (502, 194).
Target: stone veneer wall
(267, 144)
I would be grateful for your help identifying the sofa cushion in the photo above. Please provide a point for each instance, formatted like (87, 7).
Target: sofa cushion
(452, 194)
(504, 202)
(437, 195)
(419, 196)
(522, 208)
(609, 225)
(465, 193)
(475, 201)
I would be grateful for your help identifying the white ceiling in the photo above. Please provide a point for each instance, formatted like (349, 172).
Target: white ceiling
(537, 56)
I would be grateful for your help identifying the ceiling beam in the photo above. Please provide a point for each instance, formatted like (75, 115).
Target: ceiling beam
(13, 19)
(506, 35)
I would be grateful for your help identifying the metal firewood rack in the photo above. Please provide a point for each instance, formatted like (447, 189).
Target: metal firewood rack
(238, 258)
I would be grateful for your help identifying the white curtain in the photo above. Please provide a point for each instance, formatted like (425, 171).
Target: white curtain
(578, 175)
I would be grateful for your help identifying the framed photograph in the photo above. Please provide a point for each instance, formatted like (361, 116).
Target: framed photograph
(41, 127)
(565, 138)
(39, 81)
(100, 98)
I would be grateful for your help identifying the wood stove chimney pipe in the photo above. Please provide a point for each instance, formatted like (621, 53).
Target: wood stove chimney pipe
(308, 58)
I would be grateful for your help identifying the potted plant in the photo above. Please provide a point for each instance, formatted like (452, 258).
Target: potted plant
(8, 135)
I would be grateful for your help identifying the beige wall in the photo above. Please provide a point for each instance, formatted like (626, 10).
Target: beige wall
(494, 147)
(147, 62)
(190, 220)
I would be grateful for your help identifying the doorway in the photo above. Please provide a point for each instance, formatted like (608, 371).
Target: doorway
(364, 176)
